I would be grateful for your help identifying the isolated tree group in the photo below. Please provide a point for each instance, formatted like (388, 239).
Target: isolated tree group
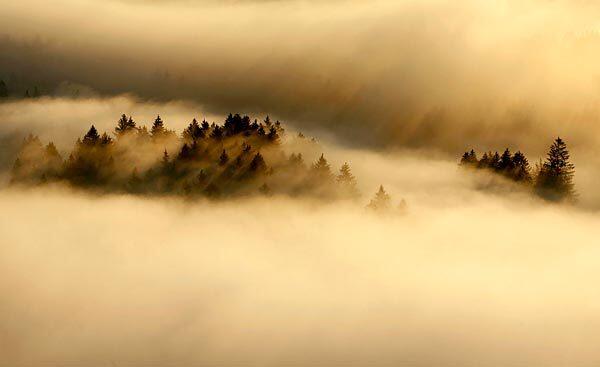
(239, 157)
(552, 179)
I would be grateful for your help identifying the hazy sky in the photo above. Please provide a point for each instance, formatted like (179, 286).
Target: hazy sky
(438, 74)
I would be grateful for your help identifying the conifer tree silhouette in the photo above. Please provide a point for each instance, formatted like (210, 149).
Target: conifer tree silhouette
(125, 125)
(347, 181)
(381, 201)
(554, 181)
(223, 158)
(158, 127)
(91, 137)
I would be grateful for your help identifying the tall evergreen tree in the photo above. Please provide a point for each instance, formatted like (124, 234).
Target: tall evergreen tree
(506, 163)
(258, 163)
(521, 171)
(158, 127)
(347, 181)
(555, 179)
(193, 132)
(91, 137)
(272, 135)
(381, 201)
(322, 168)
(494, 161)
(223, 158)
(217, 132)
(125, 125)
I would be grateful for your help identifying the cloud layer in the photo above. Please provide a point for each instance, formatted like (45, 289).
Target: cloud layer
(127, 281)
(435, 74)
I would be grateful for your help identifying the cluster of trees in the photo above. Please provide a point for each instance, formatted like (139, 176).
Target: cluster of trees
(5, 92)
(551, 179)
(238, 157)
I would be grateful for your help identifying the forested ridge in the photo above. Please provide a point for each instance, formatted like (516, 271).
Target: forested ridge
(238, 157)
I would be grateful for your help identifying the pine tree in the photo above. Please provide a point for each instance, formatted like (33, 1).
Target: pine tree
(469, 158)
(521, 171)
(381, 201)
(124, 125)
(494, 161)
(158, 127)
(223, 158)
(555, 179)
(347, 181)
(205, 125)
(52, 152)
(258, 163)
(185, 153)
(105, 139)
(217, 132)
(272, 135)
(505, 163)
(193, 132)
(484, 162)
(322, 169)
(91, 137)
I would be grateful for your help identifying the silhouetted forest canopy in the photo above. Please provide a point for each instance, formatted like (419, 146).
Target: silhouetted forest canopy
(551, 179)
(239, 157)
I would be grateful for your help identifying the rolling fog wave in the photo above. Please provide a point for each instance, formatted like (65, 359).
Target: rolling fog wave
(119, 280)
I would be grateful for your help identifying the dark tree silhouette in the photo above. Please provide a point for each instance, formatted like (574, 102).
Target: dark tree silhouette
(223, 158)
(125, 125)
(506, 163)
(185, 153)
(193, 132)
(91, 137)
(521, 169)
(272, 135)
(158, 127)
(469, 158)
(205, 125)
(258, 163)
(554, 181)
(217, 133)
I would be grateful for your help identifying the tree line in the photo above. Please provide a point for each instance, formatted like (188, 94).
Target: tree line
(551, 179)
(5, 91)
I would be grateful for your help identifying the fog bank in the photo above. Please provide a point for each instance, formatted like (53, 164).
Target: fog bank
(125, 281)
